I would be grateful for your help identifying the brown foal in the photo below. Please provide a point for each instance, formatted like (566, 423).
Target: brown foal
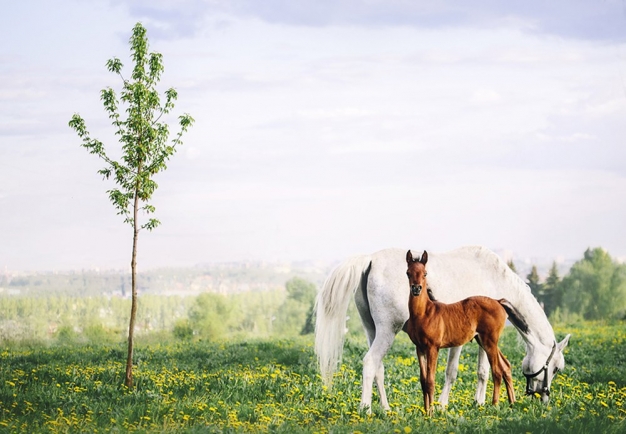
(433, 325)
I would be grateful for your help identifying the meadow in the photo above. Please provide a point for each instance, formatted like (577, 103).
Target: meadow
(272, 386)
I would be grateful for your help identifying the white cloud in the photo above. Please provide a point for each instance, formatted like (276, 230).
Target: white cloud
(322, 139)
(571, 138)
(584, 20)
(485, 96)
(334, 114)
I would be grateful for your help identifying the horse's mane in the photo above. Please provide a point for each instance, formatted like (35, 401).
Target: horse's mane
(500, 267)
(430, 294)
(528, 308)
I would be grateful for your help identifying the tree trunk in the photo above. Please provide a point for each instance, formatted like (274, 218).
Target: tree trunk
(128, 381)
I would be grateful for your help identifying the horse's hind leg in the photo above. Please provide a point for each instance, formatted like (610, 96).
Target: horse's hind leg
(452, 370)
(380, 385)
(507, 377)
(373, 367)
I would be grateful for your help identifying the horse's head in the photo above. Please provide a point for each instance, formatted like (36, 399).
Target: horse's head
(416, 272)
(540, 368)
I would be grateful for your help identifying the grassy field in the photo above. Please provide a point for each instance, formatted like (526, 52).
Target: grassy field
(260, 386)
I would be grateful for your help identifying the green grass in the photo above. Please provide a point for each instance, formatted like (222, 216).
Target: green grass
(260, 386)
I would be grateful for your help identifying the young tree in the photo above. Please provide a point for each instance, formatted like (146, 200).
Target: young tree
(535, 287)
(145, 148)
(511, 265)
(551, 290)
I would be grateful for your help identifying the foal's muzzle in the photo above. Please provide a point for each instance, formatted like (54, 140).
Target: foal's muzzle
(416, 290)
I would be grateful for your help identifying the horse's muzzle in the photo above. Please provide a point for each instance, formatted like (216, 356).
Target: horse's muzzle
(416, 290)
(544, 392)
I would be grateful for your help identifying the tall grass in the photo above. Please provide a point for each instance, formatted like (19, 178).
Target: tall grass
(272, 385)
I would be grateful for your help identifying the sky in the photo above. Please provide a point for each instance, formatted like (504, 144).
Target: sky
(324, 129)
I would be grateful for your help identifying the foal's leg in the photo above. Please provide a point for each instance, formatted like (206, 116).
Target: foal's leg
(431, 371)
(507, 377)
(489, 343)
(452, 369)
(421, 358)
(482, 372)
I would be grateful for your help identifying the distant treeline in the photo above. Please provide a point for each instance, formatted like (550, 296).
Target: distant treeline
(211, 316)
(593, 289)
(222, 278)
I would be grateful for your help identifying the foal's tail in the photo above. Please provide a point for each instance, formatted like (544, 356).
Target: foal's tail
(516, 318)
(331, 307)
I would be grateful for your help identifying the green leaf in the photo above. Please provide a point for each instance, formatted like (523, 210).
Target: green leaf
(151, 224)
(115, 65)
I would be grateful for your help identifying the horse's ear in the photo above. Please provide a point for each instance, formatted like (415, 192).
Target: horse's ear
(561, 345)
(409, 257)
(424, 258)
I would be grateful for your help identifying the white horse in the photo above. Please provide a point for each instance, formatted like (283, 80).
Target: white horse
(379, 285)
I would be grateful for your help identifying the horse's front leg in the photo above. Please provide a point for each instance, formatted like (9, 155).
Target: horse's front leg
(482, 371)
(452, 370)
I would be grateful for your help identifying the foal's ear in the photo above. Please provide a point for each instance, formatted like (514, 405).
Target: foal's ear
(409, 257)
(424, 259)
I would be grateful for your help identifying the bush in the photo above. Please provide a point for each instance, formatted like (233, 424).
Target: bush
(66, 335)
(183, 330)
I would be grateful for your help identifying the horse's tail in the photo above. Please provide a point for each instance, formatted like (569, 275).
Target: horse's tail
(516, 318)
(331, 308)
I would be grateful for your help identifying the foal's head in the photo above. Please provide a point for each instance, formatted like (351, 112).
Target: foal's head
(416, 272)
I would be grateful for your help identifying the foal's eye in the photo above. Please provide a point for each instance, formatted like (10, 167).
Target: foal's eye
(425, 274)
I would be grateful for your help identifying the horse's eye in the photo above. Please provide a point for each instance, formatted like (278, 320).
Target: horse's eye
(425, 274)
